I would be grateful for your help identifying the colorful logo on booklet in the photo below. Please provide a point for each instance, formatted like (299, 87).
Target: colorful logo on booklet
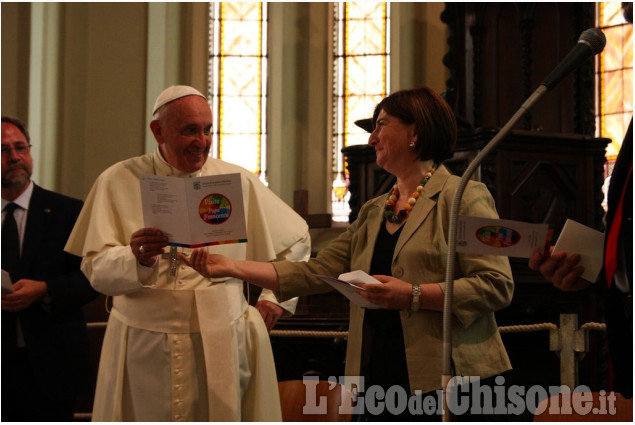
(215, 209)
(498, 236)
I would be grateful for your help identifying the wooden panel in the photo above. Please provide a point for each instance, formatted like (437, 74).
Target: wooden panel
(499, 53)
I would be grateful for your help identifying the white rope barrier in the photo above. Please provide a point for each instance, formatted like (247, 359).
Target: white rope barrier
(537, 327)
(527, 328)
(594, 326)
(310, 334)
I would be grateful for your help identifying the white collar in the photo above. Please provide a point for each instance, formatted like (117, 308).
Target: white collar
(24, 199)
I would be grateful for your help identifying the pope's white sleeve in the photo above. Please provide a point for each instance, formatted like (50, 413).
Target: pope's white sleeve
(115, 271)
(299, 251)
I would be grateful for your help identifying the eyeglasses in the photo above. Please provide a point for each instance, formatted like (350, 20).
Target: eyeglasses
(19, 148)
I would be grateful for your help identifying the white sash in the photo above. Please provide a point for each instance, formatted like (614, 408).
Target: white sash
(202, 310)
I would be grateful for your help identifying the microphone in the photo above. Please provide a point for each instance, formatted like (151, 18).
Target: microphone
(590, 43)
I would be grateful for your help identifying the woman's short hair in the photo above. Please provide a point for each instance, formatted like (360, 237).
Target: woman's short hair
(433, 118)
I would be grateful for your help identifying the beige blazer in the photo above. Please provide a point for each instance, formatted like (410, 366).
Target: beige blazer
(483, 283)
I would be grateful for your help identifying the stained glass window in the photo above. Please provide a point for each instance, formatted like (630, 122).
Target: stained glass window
(238, 75)
(361, 61)
(615, 77)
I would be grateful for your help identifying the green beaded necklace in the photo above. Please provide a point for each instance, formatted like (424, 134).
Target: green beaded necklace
(398, 218)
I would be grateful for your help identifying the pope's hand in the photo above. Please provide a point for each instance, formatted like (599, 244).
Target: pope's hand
(147, 244)
(208, 265)
(270, 313)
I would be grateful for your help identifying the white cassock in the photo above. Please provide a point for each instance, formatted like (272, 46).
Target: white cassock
(184, 347)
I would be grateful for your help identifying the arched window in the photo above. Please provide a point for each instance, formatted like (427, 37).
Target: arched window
(238, 82)
(361, 61)
(238, 75)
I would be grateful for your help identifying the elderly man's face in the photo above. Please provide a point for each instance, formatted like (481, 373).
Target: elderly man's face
(184, 133)
(16, 168)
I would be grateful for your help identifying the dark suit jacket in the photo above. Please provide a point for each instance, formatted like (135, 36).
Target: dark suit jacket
(54, 329)
(619, 322)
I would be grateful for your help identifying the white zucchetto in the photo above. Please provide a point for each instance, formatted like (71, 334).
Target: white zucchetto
(175, 92)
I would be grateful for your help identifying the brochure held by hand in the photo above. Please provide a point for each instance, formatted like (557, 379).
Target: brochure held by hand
(195, 212)
(346, 285)
(585, 241)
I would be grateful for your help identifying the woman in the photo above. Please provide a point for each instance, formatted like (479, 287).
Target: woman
(400, 239)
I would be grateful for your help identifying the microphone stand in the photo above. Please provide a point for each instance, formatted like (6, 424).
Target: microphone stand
(446, 375)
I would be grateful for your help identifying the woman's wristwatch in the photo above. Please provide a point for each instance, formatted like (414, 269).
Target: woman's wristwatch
(416, 292)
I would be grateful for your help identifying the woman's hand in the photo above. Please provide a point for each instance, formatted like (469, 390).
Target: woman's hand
(393, 293)
(259, 273)
(208, 265)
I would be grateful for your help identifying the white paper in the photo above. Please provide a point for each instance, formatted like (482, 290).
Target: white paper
(510, 238)
(346, 285)
(7, 285)
(583, 240)
(195, 212)
(358, 276)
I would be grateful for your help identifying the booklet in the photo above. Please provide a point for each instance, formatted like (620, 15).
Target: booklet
(511, 238)
(588, 242)
(346, 285)
(195, 212)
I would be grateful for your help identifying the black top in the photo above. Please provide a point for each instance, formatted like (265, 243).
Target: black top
(383, 349)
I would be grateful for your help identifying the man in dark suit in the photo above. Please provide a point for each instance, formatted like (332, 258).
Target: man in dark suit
(616, 279)
(45, 358)
(618, 276)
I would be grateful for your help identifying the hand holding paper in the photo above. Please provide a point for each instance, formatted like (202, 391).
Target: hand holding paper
(576, 238)
(346, 285)
(575, 261)
(195, 212)
(560, 269)
(7, 285)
